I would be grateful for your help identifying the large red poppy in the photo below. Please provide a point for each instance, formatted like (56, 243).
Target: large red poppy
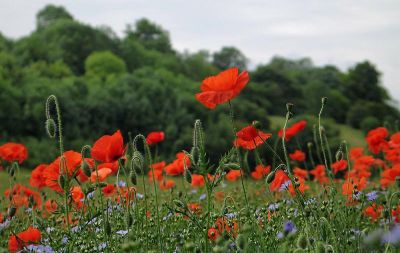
(52, 172)
(293, 130)
(37, 178)
(108, 148)
(249, 137)
(155, 137)
(13, 152)
(221, 88)
(23, 239)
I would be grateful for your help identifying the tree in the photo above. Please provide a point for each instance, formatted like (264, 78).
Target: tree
(50, 14)
(363, 83)
(229, 57)
(104, 64)
(150, 35)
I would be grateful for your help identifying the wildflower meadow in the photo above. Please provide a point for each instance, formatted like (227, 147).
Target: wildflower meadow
(117, 194)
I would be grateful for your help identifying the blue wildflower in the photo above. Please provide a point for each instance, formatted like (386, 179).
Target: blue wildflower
(372, 196)
(202, 197)
(122, 232)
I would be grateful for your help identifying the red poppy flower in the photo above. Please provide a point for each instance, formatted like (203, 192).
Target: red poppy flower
(300, 173)
(339, 166)
(396, 214)
(23, 239)
(177, 167)
(109, 148)
(37, 178)
(298, 155)
(51, 206)
(197, 180)
(349, 186)
(319, 174)
(77, 195)
(280, 178)
(356, 152)
(52, 172)
(249, 137)
(373, 211)
(260, 172)
(302, 187)
(155, 137)
(293, 130)
(213, 234)
(109, 190)
(20, 196)
(376, 139)
(158, 166)
(158, 175)
(13, 152)
(233, 175)
(389, 176)
(167, 184)
(100, 175)
(194, 207)
(221, 88)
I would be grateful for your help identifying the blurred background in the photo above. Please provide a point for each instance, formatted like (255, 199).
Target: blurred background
(136, 65)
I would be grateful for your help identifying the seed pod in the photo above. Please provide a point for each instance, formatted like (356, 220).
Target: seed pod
(270, 177)
(11, 211)
(86, 168)
(188, 176)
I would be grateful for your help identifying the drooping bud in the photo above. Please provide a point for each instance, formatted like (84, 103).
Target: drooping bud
(51, 128)
(233, 166)
(86, 168)
(339, 155)
(11, 211)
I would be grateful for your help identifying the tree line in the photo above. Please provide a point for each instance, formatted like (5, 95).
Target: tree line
(139, 83)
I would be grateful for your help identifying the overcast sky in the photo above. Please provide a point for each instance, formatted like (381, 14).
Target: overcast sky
(330, 32)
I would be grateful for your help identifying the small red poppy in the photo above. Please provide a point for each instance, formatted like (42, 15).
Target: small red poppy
(155, 137)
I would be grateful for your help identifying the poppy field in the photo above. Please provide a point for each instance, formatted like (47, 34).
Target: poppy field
(117, 195)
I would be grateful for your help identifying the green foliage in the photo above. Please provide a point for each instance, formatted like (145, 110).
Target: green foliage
(140, 83)
(50, 14)
(104, 64)
(229, 57)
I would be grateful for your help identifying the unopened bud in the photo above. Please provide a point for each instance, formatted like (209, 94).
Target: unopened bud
(270, 177)
(256, 124)
(188, 176)
(324, 100)
(86, 168)
(11, 211)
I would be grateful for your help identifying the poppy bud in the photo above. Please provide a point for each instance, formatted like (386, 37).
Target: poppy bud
(309, 144)
(289, 107)
(133, 177)
(324, 100)
(302, 241)
(339, 155)
(198, 134)
(50, 126)
(188, 176)
(256, 124)
(137, 161)
(179, 203)
(233, 166)
(270, 177)
(86, 168)
(12, 171)
(61, 181)
(195, 154)
(11, 211)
